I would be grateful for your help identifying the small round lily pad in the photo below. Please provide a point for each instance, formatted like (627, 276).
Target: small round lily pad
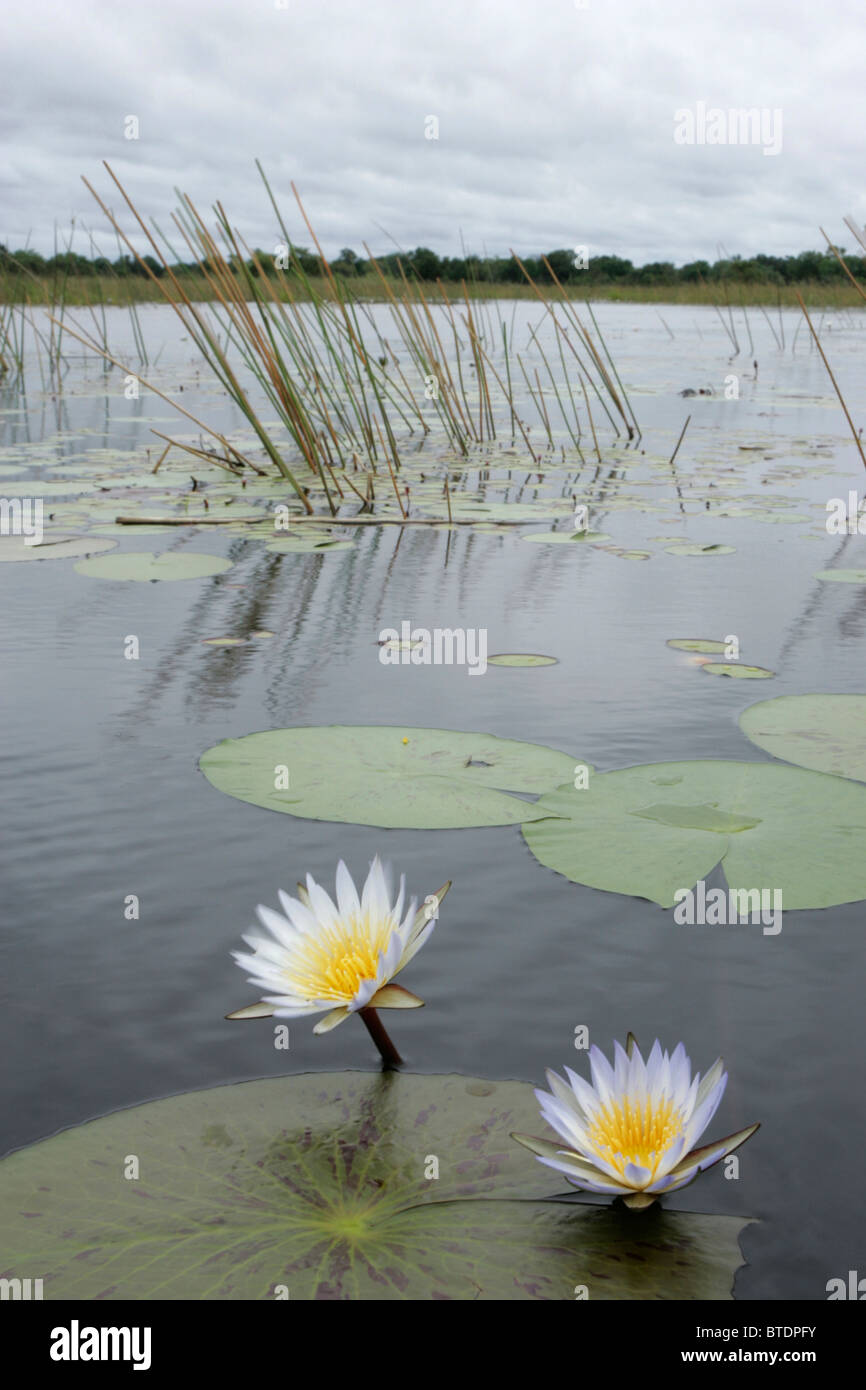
(566, 537)
(842, 576)
(693, 548)
(695, 644)
(735, 669)
(521, 659)
(318, 544)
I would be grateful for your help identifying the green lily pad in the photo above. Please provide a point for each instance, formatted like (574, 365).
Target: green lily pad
(651, 830)
(144, 565)
(706, 817)
(45, 487)
(842, 576)
(421, 779)
(320, 1187)
(826, 733)
(111, 528)
(696, 644)
(542, 509)
(15, 548)
(318, 542)
(693, 548)
(737, 670)
(765, 514)
(560, 537)
(521, 659)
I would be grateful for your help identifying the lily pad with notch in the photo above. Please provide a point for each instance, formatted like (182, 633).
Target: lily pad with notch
(826, 733)
(421, 779)
(315, 1187)
(648, 831)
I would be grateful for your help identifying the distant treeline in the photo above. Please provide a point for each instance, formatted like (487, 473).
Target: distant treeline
(424, 264)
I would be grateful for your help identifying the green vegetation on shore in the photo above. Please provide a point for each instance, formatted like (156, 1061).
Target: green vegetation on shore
(26, 276)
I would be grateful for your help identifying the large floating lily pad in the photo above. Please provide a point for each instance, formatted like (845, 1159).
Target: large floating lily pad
(648, 831)
(15, 548)
(422, 779)
(826, 733)
(144, 565)
(322, 1187)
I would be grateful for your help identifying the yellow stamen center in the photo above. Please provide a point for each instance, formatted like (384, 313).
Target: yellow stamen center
(334, 963)
(636, 1131)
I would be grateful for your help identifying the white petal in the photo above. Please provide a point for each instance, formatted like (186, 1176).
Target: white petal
(401, 898)
(585, 1096)
(363, 994)
(413, 946)
(705, 1111)
(298, 913)
(565, 1093)
(283, 930)
(589, 1184)
(347, 894)
(603, 1078)
(322, 906)
(636, 1176)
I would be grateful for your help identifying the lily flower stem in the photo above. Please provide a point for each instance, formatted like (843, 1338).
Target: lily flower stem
(376, 1029)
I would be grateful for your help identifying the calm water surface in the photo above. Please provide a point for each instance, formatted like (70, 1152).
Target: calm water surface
(103, 797)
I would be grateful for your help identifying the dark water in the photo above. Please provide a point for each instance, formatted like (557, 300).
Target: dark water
(103, 798)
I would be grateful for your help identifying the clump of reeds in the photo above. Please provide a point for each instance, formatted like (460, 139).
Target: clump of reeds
(330, 372)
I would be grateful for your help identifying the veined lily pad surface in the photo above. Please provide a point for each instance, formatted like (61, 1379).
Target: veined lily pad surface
(144, 566)
(824, 732)
(649, 831)
(347, 1186)
(421, 779)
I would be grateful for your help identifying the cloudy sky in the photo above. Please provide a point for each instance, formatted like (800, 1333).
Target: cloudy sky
(556, 120)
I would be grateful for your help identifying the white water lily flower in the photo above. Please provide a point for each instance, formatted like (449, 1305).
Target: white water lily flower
(632, 1132)
(338, 958)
